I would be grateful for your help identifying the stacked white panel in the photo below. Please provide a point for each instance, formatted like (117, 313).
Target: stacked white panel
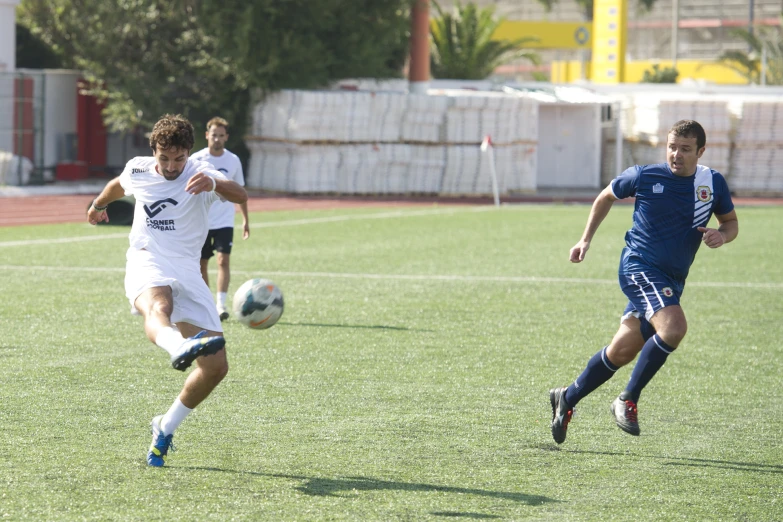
(469, 170)
(423, 119)
(757, 164)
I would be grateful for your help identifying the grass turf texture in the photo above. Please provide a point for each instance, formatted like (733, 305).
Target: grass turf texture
(407, 380)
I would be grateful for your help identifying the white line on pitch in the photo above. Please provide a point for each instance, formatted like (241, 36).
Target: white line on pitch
(408, 277)
(271, 224)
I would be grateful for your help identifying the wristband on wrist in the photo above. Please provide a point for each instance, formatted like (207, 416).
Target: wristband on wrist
(99, 209)
(214, 183)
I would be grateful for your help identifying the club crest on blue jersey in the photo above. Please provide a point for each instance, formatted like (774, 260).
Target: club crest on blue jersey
(703, 193)
(666, 291)
(657, 188)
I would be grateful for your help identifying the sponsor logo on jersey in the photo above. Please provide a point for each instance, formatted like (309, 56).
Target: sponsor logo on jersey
(657, 188)
(703, 193)
(158, 207)
(666, 291)
(155, 209)
(224, 171)
(139, 171)
(161, 224)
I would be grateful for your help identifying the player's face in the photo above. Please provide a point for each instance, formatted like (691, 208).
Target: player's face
(683, 155)
(216, 137)
(171, 162)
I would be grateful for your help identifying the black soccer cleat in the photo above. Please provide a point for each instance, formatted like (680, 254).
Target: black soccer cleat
(194, 347)
(561, 413)
(626, 414)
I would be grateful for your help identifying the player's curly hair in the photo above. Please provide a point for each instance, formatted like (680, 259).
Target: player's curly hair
(690, 129)
(172, 131)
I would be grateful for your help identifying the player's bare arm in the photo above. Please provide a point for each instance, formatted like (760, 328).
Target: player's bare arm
(245, 221)
(728, 228)
(228, 190)
(601, 207)
(110, 193)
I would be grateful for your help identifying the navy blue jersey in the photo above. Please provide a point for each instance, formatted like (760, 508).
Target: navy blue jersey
(668, 210)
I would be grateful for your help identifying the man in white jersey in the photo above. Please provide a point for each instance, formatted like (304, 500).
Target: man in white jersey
(162, 278)
(221, 216)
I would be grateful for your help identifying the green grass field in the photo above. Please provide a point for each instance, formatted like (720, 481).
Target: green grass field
(407, 380)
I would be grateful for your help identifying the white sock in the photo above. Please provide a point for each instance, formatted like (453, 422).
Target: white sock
(169, 339)
(174, 417)
(221, 299)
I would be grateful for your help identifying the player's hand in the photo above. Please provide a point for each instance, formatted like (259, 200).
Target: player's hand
(199, 183)
(245, 231)
(579, 251)
(713, 238)
(96, 216)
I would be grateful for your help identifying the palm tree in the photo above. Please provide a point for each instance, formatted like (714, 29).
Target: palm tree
(765, 45)
(462, 44)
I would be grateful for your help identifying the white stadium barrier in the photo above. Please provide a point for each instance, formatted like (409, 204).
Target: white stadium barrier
(544, 137)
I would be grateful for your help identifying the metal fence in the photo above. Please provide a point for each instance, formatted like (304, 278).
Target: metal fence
(21, 129)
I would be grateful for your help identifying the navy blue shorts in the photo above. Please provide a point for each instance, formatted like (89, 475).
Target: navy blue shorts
(649, 290)
(218, 240)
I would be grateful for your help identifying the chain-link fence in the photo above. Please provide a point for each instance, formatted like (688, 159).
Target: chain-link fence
(21, 128)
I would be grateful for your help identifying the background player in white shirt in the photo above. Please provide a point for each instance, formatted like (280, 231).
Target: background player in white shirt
(162, 278)
(221, 216)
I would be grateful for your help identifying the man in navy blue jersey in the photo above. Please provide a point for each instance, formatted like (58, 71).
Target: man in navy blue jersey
(674, 203)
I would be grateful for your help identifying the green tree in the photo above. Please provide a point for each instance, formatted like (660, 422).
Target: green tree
(204, 58)
(462, 44)
(308, 43)
(32, 53)
(660, 75)
(766, 44)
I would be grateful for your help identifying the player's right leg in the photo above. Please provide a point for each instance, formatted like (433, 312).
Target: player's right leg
(156, 306)
(206, 252)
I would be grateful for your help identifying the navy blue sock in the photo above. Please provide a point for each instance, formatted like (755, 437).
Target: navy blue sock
(599, 370)
(651, 358)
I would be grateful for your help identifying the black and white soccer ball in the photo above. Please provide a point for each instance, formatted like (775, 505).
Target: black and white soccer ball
(258, 303)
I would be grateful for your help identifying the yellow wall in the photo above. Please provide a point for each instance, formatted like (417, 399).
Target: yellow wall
(570, 71)
(551, 35)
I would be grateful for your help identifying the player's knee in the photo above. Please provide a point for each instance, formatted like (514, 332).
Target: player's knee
(160, 307)
(216, 371)
(620, 355)
(674, 333)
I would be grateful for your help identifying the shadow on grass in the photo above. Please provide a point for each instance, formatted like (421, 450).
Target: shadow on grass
(335, 487)
(697, 463)
(370, 327)
(459, 514)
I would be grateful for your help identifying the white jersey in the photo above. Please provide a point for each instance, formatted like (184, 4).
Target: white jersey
(221, 215)
(168, 220)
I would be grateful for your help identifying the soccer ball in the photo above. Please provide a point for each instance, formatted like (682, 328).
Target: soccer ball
(258, 303)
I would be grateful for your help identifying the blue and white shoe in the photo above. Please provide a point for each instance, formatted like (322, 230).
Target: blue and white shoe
(161, 444)
(195, 347)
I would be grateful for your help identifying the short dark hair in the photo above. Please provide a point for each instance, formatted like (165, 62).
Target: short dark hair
(172, 131)
(690, 129)
(217, 121)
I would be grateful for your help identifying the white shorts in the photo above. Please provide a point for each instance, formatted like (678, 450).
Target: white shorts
(193, 301)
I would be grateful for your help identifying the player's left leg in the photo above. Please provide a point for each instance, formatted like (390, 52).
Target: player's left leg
(657, 301)
(224, 241)
(210, 371)
(223, 279)
(670, 327)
